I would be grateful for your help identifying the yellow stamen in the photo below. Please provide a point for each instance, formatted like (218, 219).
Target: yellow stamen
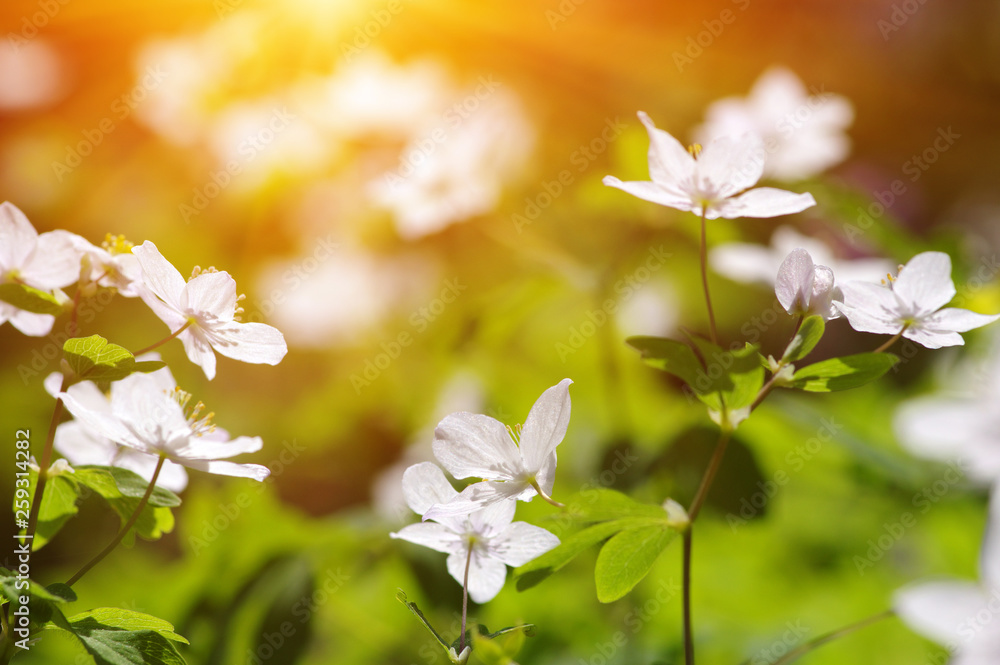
(695, 150)
(117, 244)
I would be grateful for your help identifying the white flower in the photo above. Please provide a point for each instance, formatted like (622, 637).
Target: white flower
(487, 541)
(81, 444)
(47, 261)
(804, 288)
(710, 184)
(803, 134)
(111, 265)
(474, 445)
(152, 420)
(750, 262)
(961, 425)
(207, 306)
(911, 304)
(963, 616)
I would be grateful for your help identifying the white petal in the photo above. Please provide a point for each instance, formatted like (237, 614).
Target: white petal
(105, 425)
(669, 162)
(172, 476)
(81, 445)
(252, 471)
(926, 281)
(159, 275)
(652, 192)
(493, 519)
(477, 497)
(55, 263)
(937, 609)
(199, 351)
(520, 543)
(256, 343)
(932, 339)
(201, 448)
(424, 485)
(824, 292)
(486, 576)
(474, 445)
(767, 202)
(989, 560)
(28, 323)
(794, 282)
(951, 430)
(870, 308)
(213, 293)
(732, 164)
(166, 312)
(545, 426)
(953, 319)
(434, 536)
(17, 237)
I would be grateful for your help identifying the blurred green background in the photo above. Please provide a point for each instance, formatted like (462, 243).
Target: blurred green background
(484, 288)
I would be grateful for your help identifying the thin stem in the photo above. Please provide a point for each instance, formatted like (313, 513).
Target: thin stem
(164, 340)
(44, 463)
(704, 280)
(891, 341)
(709, 477)
(465, 600)
(766, 389)
(125, 529)
(686, 595)
(830, 637)
(546, 497)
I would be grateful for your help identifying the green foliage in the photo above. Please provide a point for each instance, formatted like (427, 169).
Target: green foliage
(30, 299)
(58, 505)
(806, 338)
(115, 636)
(627, 558)
(94, 358)
(843, 373)
(123, 489)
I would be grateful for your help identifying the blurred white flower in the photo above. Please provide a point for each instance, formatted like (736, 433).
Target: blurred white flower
(715, 183)
(514, 464)
(47, 261)
(803, 134)
(962, 616)
(750, 262)
(157, 422)
(805, 288)
(31, 74)
(485, 542)
(458, 168)
(203, 311)
(112, 265)
(81, 444)
(911, 304)
(649, 309)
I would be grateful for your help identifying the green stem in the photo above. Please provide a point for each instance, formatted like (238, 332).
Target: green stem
(891, 341)
(709, 477)
(125, 529)
(164, 340)
(465, 600)
(686, 598)
(815, 643)
(546, 497)
(44, 463)
(704, 280)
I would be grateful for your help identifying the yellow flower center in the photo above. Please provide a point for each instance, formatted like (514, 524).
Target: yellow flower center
(117, 244)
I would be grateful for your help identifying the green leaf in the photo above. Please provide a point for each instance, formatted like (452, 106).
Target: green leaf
(148, 365)
(123, 489)
(95, 359)
(401, 597)
(121, 637)
(538, 569)
(122, 619)
(58, 505)
(805, 340)
(672, 357)
(843, 373)
(627, 558)
(30, 299)
(600, 504)
(42, 602)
